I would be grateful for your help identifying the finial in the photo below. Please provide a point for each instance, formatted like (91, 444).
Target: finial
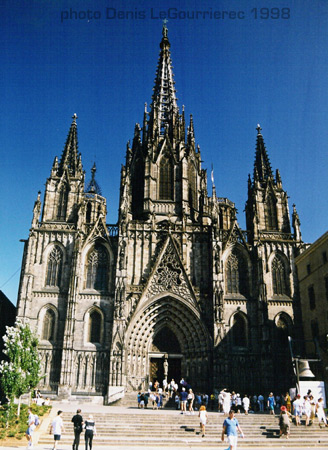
(145, 107)
(74, 117)
(93, 171)
(164, 30)
(258, 128)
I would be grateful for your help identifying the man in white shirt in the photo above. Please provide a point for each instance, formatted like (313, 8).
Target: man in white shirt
(57, 427)
(30, 428)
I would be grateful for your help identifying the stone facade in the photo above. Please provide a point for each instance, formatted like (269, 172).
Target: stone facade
(175, 288)
(312, 269)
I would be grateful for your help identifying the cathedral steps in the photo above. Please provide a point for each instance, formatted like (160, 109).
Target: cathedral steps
(169, 428)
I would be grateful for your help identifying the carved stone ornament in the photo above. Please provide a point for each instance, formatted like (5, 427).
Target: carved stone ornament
(169, 276)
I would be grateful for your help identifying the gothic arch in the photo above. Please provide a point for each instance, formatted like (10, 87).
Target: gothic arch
(270, 207)
(54, 257)
(173, 312)
(192, 186)
(48, 324)
(93, 326)
(283, 327)
(166, 178)
(97, 258)
(239, 329)
(62, 194)
(237, 271)
(279, 268)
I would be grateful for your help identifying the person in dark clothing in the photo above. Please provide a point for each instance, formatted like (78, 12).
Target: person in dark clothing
(78, 424)
(90, 431)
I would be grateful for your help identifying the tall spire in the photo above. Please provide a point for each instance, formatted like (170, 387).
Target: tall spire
(164, 102)
(262, 166)
(70, 158)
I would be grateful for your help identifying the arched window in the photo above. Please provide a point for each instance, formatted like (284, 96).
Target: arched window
(54, 268)
(48, 327)
(279, 283)
(236, 274)
(94, 327)
(166, 179)
(271, 213)
(282, 332)
(88, 214)
(97, 269)
(192, 181)
(239, 331)
(62, 203)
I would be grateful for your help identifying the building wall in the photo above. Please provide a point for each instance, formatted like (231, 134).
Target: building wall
(312, 268)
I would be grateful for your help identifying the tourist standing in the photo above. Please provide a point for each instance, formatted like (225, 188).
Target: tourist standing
(231, 428)
(78, 423)
(90, 431)
(246, 404)
(271, 403)
(183, 402)
(288, 402)
(190, 400)
(202, 419)
(226, 401)
(57, 428)
(260, 400)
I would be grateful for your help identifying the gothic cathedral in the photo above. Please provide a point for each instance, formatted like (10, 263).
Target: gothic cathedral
(176, 288)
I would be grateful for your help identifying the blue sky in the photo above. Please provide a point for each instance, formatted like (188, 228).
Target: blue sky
(230, 73)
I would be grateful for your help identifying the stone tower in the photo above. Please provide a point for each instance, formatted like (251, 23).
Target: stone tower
(176, 289)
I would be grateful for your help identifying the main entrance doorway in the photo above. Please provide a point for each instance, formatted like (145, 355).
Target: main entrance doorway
(157, 367)
(165, 357)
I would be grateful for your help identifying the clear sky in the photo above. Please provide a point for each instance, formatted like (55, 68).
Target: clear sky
(265, 63)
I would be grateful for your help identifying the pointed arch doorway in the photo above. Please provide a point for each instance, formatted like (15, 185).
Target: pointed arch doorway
(165, 357)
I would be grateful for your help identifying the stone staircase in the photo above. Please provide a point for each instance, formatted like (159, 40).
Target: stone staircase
(132, 427)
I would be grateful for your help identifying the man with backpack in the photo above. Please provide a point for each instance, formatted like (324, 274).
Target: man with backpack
(33, 422)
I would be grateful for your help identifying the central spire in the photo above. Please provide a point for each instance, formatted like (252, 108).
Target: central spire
(164, 102)
(262, 166)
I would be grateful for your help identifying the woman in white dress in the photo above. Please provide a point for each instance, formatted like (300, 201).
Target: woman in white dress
(226, 401)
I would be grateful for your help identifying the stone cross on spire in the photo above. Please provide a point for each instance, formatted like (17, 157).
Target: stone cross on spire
(259, 129)
(74, 117)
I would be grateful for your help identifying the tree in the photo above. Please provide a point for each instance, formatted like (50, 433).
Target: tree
(21, 372)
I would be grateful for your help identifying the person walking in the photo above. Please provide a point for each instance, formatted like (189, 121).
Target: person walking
(284, 422)
(231, 428)
(57, 428)
(321, 412)
(78, 424)
(298, 409)
(307, 410)
(90, 431)
(202, 419)
(30, 429)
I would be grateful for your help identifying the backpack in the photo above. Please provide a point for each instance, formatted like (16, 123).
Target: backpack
(36, 420)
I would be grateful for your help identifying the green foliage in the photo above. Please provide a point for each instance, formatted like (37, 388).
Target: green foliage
(17, 426)
(21, 373)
